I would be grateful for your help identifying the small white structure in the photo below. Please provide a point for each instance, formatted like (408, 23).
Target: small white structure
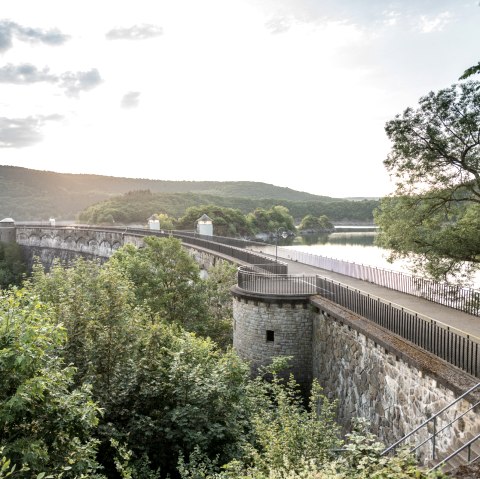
(205, 226)
(52, 222)
(154, 225)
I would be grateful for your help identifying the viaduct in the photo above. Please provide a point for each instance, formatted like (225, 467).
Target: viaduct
(399, 372)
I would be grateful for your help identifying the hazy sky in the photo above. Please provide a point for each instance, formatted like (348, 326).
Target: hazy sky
(290, 92)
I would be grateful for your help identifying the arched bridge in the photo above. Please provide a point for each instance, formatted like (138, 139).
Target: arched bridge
(394, 358)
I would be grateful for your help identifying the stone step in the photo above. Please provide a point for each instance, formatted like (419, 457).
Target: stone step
(461, 458)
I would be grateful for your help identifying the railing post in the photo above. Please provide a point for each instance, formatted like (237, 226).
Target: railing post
(434, 436)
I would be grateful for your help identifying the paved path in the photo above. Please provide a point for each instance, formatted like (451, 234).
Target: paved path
(453, 318)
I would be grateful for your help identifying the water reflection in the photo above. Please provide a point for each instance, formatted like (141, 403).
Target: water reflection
(347, 238)
(353, 246)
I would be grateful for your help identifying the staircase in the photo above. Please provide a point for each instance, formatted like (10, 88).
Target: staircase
(432, 441)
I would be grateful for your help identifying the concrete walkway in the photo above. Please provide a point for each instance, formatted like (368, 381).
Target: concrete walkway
(465, 323)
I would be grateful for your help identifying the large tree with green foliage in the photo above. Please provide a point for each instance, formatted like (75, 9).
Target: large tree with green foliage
(433, 218)
(226, 221)
(269, 221)
(46, 423)
(166, 279)
(315, 224)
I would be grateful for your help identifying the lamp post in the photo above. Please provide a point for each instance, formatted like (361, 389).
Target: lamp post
(284, 235)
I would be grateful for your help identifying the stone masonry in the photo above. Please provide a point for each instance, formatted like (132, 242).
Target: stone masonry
(264, 329)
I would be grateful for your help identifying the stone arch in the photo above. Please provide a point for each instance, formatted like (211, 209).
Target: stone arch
(69, 243)
(34, 240)
(82, 244)
(105, 248)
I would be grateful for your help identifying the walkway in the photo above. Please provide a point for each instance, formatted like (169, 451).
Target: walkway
(466, 323)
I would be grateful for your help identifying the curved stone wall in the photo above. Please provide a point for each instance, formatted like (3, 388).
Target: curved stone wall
(386, 380)
(265, 327)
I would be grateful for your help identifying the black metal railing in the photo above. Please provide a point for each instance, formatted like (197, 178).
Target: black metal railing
(447, 343)
(424, 440)
(452, 295)
(253, 280)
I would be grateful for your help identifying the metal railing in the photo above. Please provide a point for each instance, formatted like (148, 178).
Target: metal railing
(447, 343)
(471, 455)
(431, 430)
(253, 280)
(451, 295)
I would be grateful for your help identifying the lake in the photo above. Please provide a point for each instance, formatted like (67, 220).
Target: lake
(353, 244)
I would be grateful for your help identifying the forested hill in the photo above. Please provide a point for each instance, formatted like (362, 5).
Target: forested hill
(32, 194)
(137, 206)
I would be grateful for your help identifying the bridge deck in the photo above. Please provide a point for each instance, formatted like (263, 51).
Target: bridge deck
(467, 323)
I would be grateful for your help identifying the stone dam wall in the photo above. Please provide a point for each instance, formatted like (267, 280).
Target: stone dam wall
(373, 374)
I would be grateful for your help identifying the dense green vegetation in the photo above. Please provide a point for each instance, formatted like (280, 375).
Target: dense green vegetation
(433, 219)
(137, 206)
(35, 195)
(112, 371)
(316, 224)
(12, 266)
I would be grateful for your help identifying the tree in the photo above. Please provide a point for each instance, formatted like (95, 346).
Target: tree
(316, 224)
(269, 221)
(165, 278)
(226, 221)
(12, 266)
(166, 223)
(46, 424)
(218, 296)
(470, 71)
(435, 158)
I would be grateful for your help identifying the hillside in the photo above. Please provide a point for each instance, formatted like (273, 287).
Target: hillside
(136, 207)
(27, 194)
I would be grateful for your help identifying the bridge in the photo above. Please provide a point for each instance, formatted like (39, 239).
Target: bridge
(396, 349)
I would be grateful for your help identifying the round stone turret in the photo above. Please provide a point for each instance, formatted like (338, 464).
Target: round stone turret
(8, 232)
(266, 326)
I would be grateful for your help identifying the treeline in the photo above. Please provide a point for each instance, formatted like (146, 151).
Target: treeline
(27, 194)
(137, 206)
(111, 371)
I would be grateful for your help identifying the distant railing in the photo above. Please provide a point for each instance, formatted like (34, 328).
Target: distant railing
(453, 296)
(447, 343)
(253, 280)
(250, 257)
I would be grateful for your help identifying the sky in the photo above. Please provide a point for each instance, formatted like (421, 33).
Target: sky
(294, 93)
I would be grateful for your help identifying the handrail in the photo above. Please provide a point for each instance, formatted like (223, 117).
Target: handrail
(458, 451)
(448, 406)
(445, 427)
(252, 280)
(436, 432)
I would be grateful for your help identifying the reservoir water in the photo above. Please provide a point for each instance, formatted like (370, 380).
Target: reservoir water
(355, 245)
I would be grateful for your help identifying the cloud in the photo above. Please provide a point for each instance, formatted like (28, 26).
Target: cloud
(9, 30)
(23, 132)
(279, 24)
(130, 100)
(71, 82)
(74, 83)
(25, 73)
(143, 31)
(436, 23)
